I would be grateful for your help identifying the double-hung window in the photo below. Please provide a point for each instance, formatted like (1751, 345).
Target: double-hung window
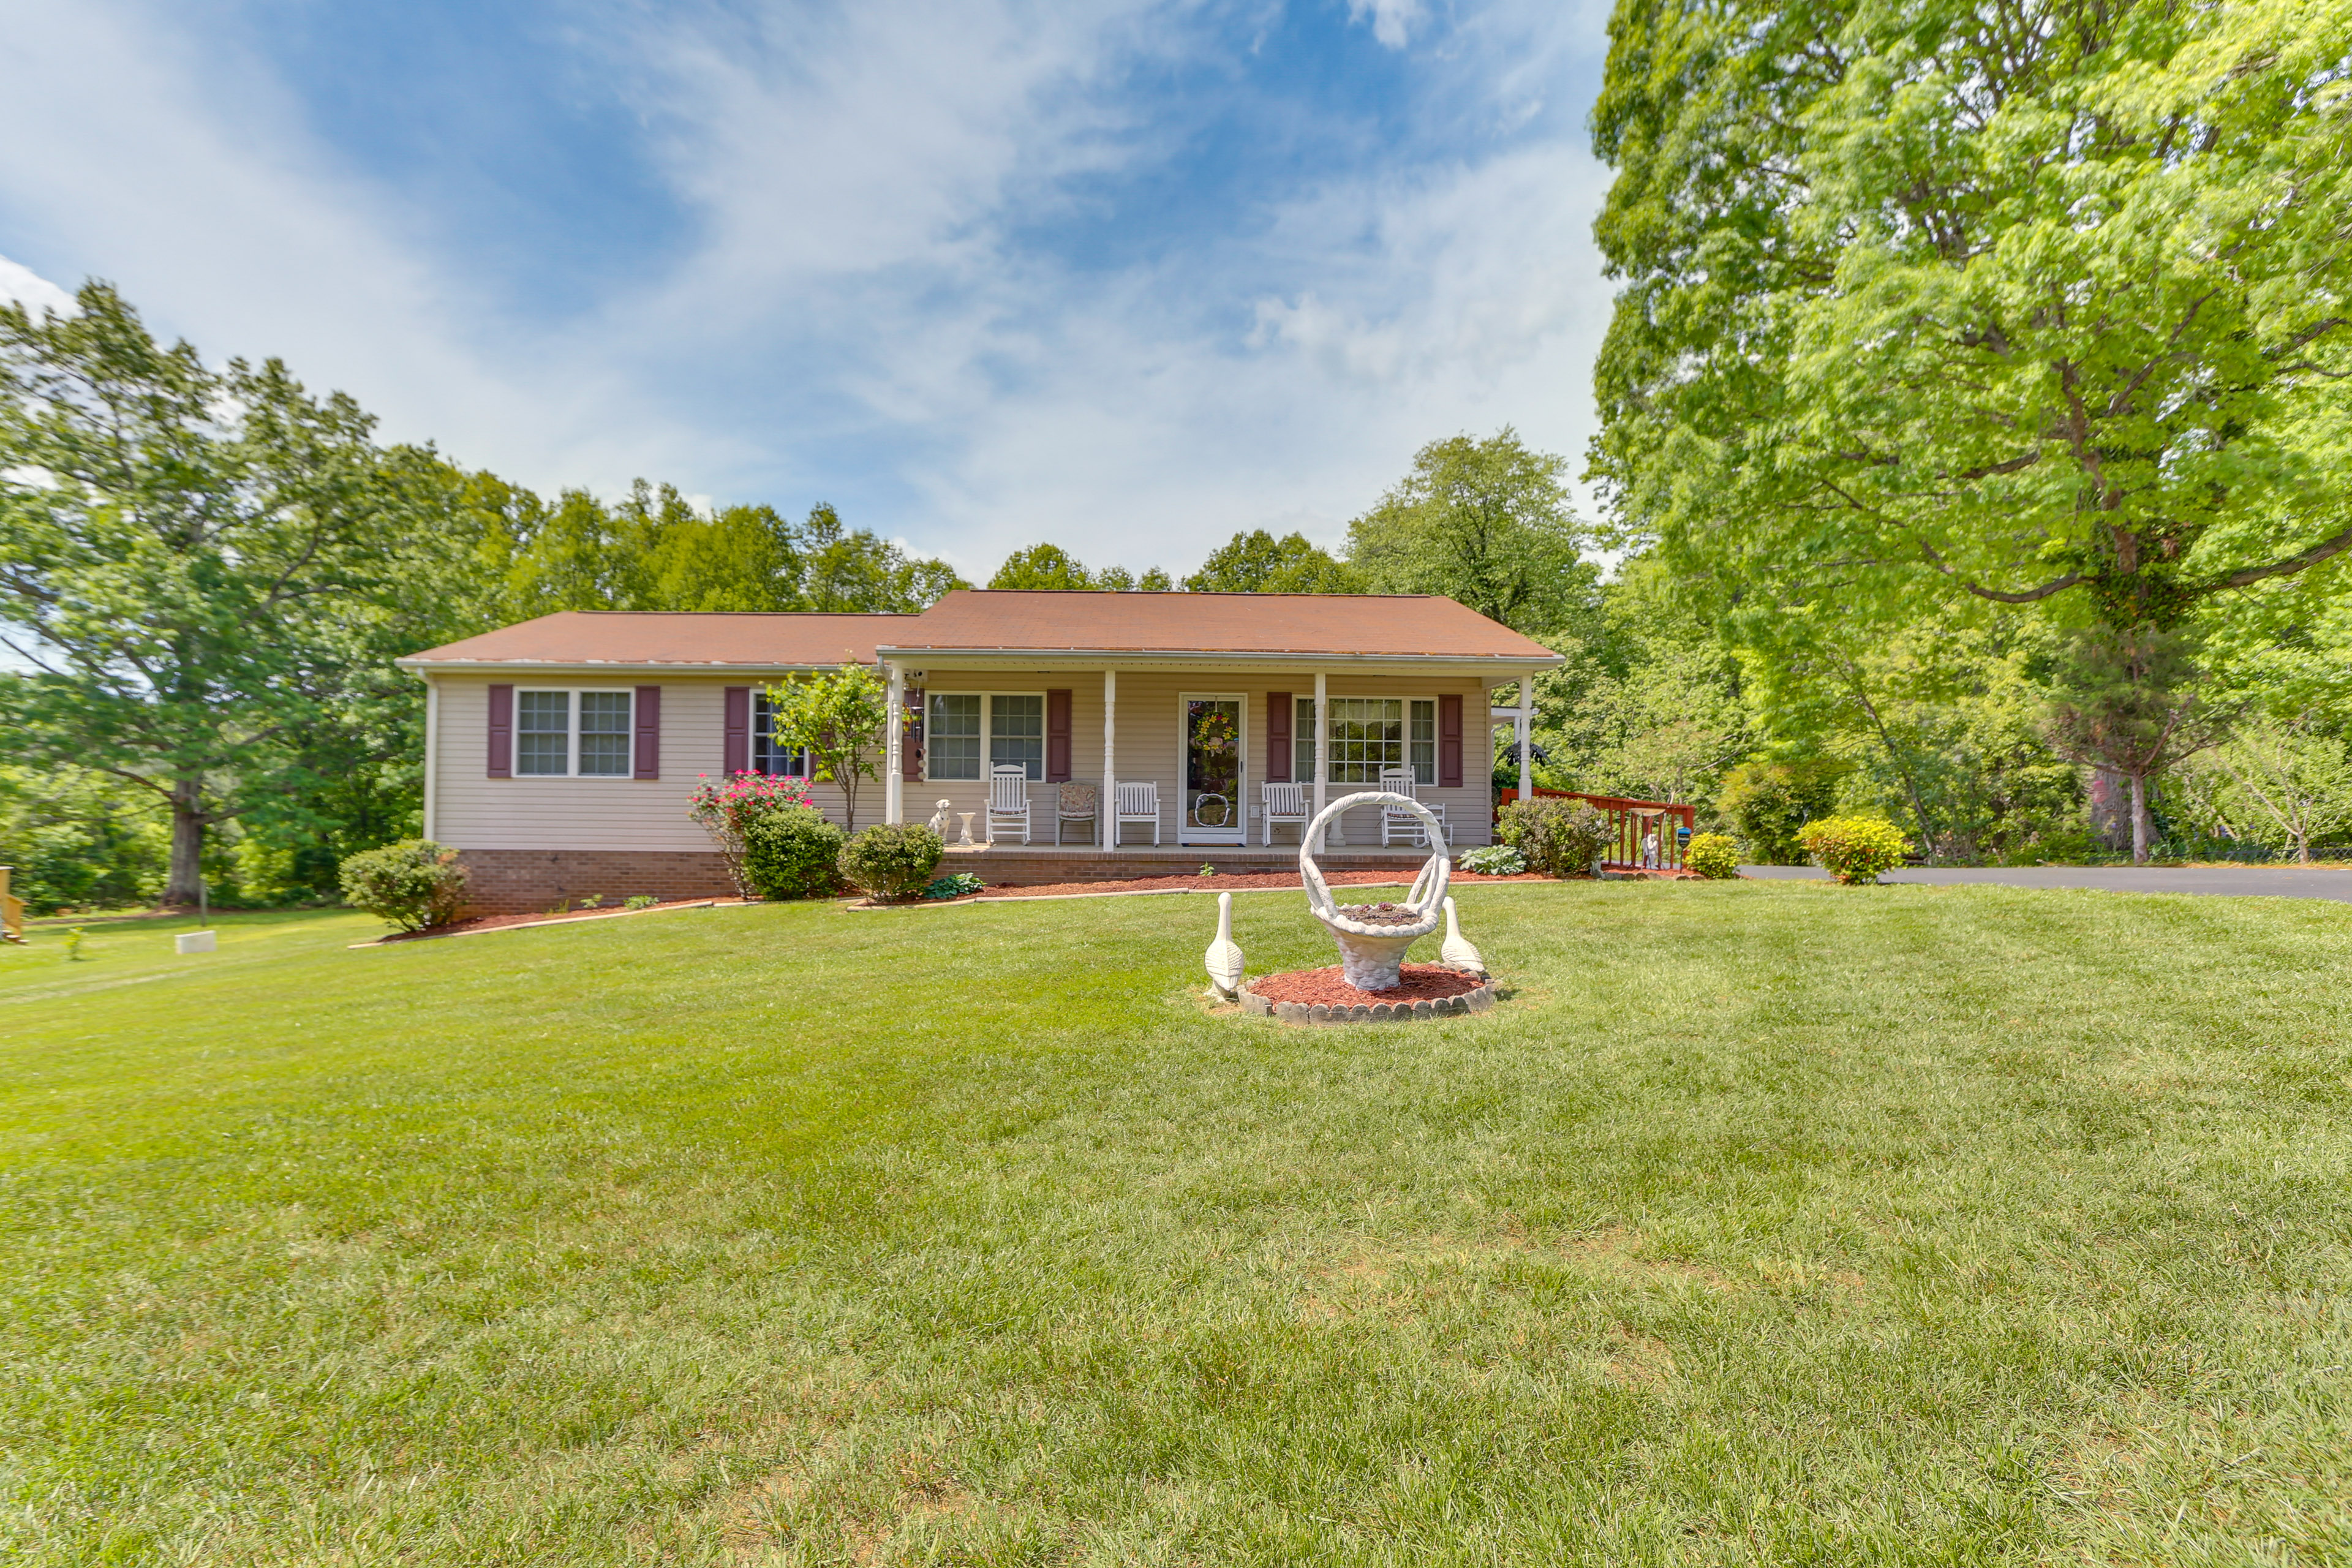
(968, 735)
(574, 735)
(1369, 735)
(769, 755)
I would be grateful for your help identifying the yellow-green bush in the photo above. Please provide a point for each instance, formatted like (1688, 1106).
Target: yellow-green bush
(1712, 855)
(1854, 848)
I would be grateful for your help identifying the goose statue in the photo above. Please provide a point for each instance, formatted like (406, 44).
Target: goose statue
(1456, 953)
(1223, 960)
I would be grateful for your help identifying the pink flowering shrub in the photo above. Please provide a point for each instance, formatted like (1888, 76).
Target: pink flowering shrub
(726, 808)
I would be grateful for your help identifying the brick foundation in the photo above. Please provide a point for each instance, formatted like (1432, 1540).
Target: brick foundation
(528, 881)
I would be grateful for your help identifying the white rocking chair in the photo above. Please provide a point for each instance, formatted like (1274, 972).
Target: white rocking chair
(1285, 803)
(1397, 820)
(1137, 803)
(1008, 801)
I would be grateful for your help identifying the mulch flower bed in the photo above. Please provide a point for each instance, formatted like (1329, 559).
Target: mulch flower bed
(1418, 983)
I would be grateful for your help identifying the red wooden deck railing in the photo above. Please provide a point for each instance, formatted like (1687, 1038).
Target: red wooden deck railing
(1629, 821)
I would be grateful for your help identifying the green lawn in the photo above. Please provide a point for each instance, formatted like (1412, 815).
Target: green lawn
(1765, 1223)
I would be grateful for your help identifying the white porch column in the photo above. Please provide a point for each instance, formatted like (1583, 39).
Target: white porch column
(432, 754)
(1322, 749)
(1108, 805)
(893, 751)
(1525, 726)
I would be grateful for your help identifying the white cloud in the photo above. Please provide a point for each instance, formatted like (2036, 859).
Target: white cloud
(859, 311)
(1393, 20)
(30, 290)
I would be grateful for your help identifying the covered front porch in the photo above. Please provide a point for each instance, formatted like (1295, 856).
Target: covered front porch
(1045, 863)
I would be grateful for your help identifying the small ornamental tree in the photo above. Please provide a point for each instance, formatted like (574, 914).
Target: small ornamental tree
(838, 717)
(1854, 849)
(416, 884)
(727, 808)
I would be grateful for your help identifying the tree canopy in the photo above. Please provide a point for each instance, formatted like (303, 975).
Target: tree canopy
(1487, 522)
(1051, 568)
(2031, 306)
(1258, 562)
(205, 572)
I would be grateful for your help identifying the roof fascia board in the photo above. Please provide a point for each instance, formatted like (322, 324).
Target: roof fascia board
(1502, 667)
(593, 667)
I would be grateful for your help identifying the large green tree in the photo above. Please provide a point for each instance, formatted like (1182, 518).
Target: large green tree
(1051, 568)
(1487, 523)
(1258, 562)
(2050, 303)
(203, 570)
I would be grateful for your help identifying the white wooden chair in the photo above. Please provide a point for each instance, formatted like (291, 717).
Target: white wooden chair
(1282, 802)
(1137, 803)
(1076, 802)
(1397, 820)
(1008, 801)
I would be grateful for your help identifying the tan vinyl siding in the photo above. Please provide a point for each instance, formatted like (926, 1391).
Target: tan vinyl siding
(473, 811)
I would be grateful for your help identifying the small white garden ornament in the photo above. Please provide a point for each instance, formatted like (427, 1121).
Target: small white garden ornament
(1372, 941)
(939, 823)
(1223, 960)
(1458, 954)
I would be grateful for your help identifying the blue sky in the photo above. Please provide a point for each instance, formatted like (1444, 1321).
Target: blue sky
(1123, 275)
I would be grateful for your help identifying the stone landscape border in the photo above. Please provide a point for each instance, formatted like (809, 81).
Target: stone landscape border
(1477, 1001)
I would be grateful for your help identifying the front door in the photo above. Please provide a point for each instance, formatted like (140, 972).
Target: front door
(1215, 805)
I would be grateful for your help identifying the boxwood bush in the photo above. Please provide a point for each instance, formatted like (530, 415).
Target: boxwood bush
(891, 863)
(1712, 855)
(415, 884)
(1854, 849)
(1558, 837)
(792, 852)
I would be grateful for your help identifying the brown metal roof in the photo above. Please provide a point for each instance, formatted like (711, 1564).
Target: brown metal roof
(1425, 626)
(647, 637)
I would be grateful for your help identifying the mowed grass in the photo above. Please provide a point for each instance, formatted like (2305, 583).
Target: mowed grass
(1764, 1223)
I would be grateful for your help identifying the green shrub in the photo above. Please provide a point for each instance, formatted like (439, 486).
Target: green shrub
(415, 884)
(1494, 860)
(1854, 848)
(792, 852)
(1558, 837)
(1714, 856)
(640, 902)
(1770, 801)
(891, 863)
(954, 887)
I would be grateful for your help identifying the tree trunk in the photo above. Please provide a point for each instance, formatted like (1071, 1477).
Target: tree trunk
(184, 885)
(2109, 812)
(2139, 819)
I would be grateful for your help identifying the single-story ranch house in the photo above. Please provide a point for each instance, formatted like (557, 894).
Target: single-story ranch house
(1090, 735)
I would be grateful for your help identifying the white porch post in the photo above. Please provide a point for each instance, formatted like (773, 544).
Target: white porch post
(431, 753)
(1525, 726)
(1322, 749)
(1108, 805)
(894, 749)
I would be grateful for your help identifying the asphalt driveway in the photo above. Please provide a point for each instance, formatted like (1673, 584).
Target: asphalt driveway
(2228, 881)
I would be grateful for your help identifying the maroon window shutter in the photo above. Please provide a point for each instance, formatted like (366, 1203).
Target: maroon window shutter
(1449, 741)
(1279, 709)
(649, 731)
(1057, 737)
(501, 731)
(911, 738)
(735, 758)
